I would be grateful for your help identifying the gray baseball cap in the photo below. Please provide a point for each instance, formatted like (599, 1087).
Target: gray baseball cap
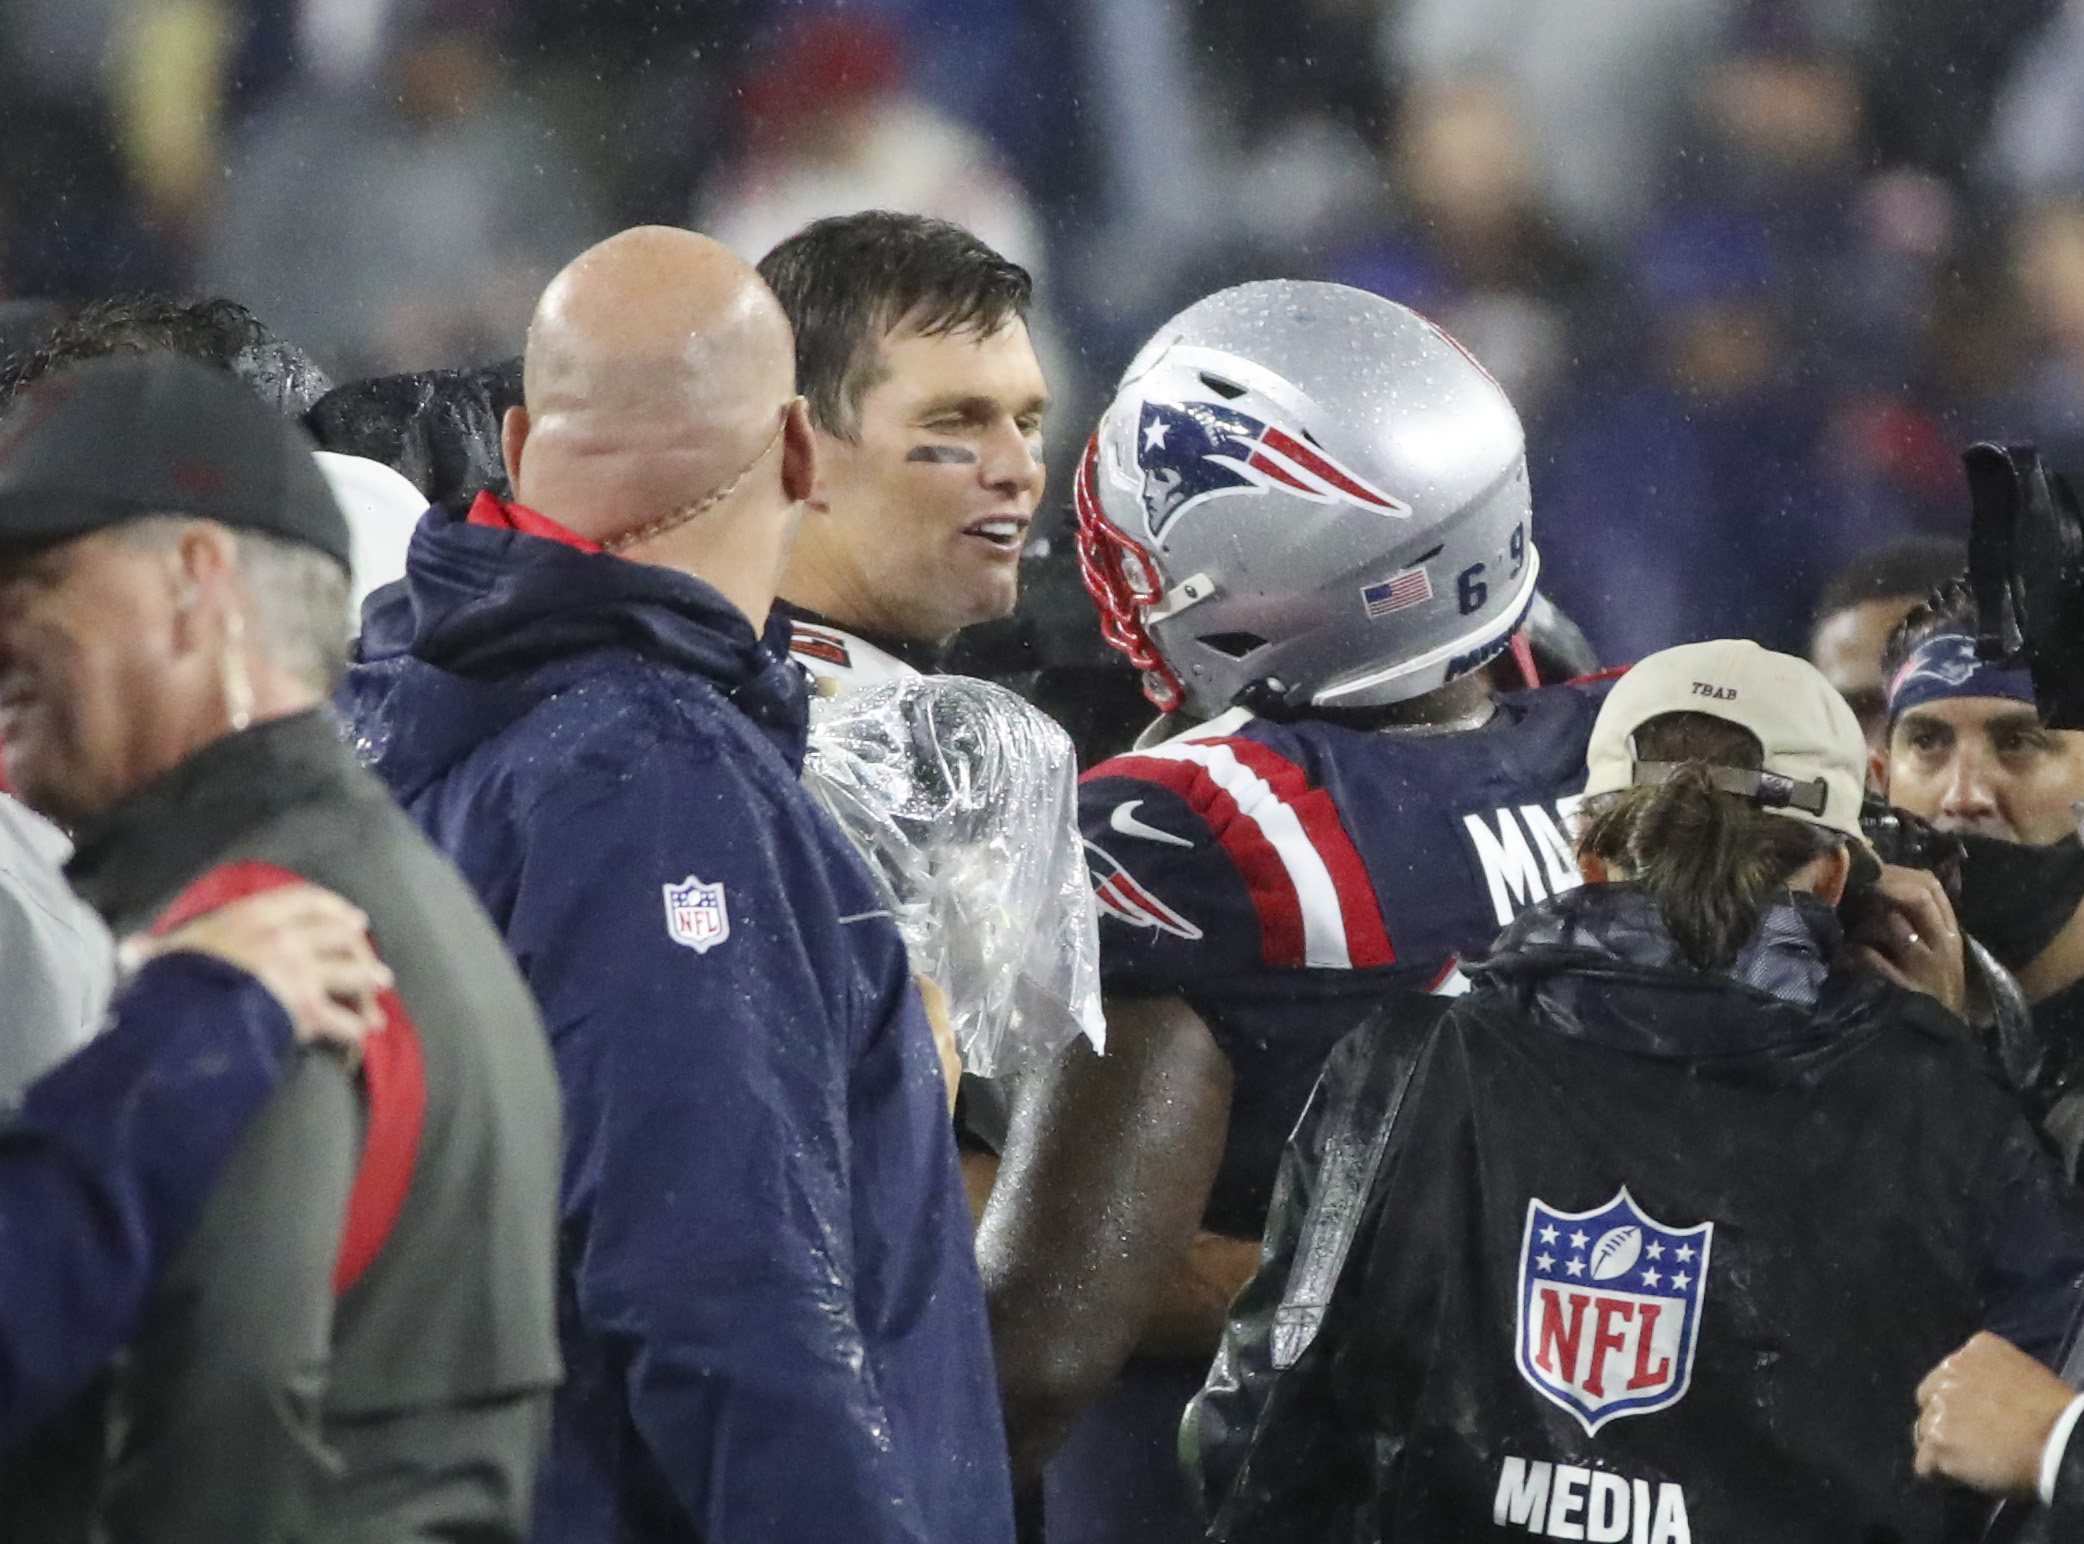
(112, 440)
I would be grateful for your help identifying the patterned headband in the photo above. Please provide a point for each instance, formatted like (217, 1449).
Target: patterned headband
(1946, 666)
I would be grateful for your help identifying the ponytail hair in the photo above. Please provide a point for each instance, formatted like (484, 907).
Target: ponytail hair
(1709, 859)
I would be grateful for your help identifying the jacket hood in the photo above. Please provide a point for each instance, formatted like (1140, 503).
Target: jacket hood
(1598, 963)
(487, 623)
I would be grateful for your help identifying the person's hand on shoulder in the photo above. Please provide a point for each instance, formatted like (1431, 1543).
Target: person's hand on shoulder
(1912, 939)
(306, 945)
(1985, 1415)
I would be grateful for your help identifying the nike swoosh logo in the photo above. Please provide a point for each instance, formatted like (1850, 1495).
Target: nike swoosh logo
(1124, 820)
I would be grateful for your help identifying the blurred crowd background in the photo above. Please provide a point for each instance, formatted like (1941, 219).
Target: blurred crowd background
(1753, 270)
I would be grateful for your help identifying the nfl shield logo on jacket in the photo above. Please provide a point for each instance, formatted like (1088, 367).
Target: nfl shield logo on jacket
(1609, 1308)
(695, 914)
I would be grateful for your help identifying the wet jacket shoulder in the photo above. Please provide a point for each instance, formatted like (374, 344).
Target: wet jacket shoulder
(1852, 1196)
(770, 1309)
(1326, 1175)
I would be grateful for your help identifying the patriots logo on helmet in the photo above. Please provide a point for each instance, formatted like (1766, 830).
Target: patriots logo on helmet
(1190, 452)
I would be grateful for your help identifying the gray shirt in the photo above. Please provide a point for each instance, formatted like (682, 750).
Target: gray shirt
(56, 958)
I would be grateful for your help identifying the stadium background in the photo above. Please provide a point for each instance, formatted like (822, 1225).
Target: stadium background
(1753, 270)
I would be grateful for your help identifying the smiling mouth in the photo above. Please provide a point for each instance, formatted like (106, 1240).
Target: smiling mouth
(1006, 533)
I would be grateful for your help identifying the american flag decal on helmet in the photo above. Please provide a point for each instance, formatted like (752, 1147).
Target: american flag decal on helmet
(1189, 452)
(1412, 587)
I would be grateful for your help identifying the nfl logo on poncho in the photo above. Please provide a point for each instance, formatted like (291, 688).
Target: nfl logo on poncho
(695, 914)
(1609, 1308)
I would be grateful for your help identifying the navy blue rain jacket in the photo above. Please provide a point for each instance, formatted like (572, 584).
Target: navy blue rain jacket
(106, 1166)
(772, 1320)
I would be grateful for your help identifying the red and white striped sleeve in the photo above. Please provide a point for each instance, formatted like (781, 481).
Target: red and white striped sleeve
(1229, 838)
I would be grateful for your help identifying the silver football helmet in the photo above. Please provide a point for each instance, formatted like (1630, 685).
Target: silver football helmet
(1305, 495)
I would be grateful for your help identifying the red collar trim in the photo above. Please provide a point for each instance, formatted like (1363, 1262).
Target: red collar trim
(501, 515)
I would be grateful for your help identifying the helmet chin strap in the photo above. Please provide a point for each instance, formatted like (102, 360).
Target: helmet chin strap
(1523, 656)
(1266, 698)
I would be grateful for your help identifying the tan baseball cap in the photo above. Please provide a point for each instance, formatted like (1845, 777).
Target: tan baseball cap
(1815, 760)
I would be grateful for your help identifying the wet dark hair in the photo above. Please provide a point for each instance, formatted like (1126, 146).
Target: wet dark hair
(1950, 608)
(849, 281)
(217, 332)
(1709, 859)
(1915, 565)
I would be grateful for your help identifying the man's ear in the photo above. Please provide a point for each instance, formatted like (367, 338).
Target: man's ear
(1593, 869)
(1836, 870)
(799, 472)
(203, 571)
(829, 446)
(513, 434)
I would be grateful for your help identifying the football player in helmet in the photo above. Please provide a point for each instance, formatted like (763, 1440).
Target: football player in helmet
(1305, 519)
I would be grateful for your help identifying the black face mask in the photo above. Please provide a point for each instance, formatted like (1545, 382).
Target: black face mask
(2016, 898)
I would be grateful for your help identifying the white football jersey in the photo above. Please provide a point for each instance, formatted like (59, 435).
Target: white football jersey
(837, 661)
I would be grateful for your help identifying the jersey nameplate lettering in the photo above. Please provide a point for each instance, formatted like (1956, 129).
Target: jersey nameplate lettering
(1525, 852)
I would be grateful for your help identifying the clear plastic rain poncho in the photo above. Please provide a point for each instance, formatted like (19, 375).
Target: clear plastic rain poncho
(964, 800)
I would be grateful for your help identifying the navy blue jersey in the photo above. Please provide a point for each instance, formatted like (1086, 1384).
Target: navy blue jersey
(1283, 876)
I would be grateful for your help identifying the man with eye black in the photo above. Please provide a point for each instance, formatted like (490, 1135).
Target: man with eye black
(927, 399)
(912, 347)
(1968, 751)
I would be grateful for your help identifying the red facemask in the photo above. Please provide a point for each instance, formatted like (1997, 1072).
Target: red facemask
(1123, 581)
